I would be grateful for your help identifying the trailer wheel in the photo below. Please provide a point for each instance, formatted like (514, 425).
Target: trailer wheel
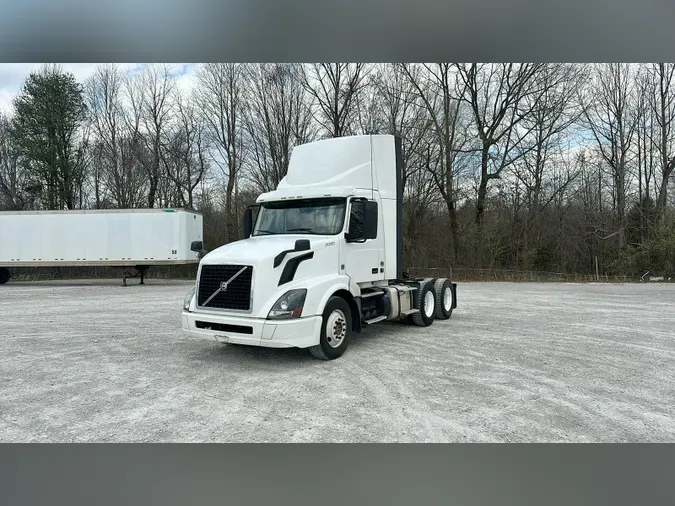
(336, 330)
(444, 298)
(4, 275)
(425, 301)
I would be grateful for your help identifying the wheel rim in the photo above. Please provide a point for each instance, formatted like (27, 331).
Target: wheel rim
(447, 298)
(336, 328)
(429, 304)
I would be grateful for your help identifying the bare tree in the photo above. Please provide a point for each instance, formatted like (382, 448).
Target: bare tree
(663, 136)
(611, 116)
(436, 86)
(335, 88)
(185, 154)
(646, 154)
(402, 114)
(496, 94)
(370, 108)
(154, 91)
(118, 176)
(102, 95)
(221, 92)
(136, 153)
(419, 206)
(277, 119)
(547, 142)
(646, 161)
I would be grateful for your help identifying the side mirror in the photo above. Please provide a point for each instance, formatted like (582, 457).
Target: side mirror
(248, 222)
(370, 221)
(250, 216)
(198, 247)
(362, 221)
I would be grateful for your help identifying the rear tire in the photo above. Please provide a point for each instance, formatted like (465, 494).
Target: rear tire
(425, 301)
(444, 298)
(4, 275)
(336, 330)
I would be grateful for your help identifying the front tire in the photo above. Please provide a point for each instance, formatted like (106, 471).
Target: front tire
(444, 298)
(336, 330)
(425, 301)
(4, 275)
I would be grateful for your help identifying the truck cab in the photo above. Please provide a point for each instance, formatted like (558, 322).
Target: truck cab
(321, 257)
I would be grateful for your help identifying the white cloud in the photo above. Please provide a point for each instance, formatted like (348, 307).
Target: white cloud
(187, 79)
(13, 75)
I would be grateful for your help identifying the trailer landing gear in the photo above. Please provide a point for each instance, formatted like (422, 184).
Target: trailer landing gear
(141, 270)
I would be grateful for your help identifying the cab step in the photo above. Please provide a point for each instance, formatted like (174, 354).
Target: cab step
(372, 294)
(376, 320)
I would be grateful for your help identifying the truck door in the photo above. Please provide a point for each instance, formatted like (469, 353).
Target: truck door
(362, 256)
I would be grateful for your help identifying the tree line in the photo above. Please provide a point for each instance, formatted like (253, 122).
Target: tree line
(555, 167)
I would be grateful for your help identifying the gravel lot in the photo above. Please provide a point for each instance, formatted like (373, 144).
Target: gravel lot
(94, 361)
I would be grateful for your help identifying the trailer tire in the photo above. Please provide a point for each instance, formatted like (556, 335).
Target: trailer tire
(445, 296)
(425, 301)
(4, 275)
(336, 330)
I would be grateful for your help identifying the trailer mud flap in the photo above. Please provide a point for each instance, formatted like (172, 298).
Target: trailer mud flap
(454, 295)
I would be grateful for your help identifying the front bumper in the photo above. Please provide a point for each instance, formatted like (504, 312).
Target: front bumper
(295, 333)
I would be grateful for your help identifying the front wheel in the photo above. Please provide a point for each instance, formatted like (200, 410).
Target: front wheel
(4, 275)
(336, 330)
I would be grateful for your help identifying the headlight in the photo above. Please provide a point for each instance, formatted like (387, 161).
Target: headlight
(188, 298)
(289, 305)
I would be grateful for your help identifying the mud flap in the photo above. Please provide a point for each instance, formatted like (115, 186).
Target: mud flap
(454, 295)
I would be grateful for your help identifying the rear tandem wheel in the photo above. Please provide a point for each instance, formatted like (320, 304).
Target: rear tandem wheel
(424, 299)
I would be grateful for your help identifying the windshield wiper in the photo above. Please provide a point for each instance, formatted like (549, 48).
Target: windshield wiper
(308, 230)
(259, 232)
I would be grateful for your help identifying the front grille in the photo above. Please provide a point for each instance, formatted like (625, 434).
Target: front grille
(237, 296)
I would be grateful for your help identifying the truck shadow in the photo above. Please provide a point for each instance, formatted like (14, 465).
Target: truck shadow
(245, 356)
(239, 355)
(102, 283)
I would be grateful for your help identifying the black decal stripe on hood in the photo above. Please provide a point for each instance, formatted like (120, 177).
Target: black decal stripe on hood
(280, 257)
(291, 267)
(300, 245)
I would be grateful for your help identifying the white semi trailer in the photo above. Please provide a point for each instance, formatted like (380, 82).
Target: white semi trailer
(127, 238)
(321, 260)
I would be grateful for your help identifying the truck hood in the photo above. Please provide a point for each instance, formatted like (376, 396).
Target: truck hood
(257, 249)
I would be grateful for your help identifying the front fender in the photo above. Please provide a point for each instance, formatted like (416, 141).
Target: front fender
(319, 290)
(325, 291)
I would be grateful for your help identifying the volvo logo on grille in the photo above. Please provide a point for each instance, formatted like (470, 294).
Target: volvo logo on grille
(223, 286)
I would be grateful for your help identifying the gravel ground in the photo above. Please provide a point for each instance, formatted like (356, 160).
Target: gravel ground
(93, 361)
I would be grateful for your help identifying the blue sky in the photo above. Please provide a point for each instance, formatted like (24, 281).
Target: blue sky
(12, 76)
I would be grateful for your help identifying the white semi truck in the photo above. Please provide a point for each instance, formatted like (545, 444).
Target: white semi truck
(126, 238)
(321, 260)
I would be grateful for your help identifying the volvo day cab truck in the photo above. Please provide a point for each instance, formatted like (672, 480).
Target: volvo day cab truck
(321, 259)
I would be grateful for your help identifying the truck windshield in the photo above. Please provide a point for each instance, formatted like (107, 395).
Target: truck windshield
(309, 216)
